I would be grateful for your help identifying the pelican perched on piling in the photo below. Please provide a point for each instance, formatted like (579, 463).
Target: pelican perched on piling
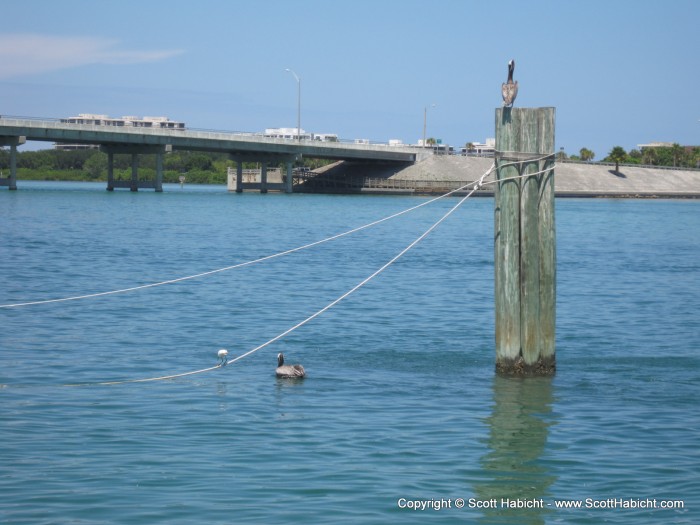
(509, 89)
(288, 371)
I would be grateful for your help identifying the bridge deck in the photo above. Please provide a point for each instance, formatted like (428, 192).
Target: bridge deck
(242, 144)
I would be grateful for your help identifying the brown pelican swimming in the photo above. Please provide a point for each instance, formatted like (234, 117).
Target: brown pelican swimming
(509, 89)
(288, 371)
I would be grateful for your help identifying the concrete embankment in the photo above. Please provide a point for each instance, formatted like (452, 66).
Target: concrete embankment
(571, 179)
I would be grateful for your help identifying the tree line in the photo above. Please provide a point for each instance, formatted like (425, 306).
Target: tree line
(91, 165)
(676, 156)
(211, 168)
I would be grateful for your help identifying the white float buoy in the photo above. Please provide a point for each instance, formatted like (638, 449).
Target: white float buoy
(223, 356)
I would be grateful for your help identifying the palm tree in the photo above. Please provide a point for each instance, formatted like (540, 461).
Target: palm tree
(617, 155)
(677, 152)
(586, 154)
(649, 156)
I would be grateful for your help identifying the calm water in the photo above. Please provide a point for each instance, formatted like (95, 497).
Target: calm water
(401, 400)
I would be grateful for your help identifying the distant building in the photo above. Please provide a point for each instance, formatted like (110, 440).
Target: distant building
(128, 121)
(293, 133)
(655, 145)
(91, 119)
(486, 149)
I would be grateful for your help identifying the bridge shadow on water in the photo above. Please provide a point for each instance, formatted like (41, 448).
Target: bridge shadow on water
(513, 470)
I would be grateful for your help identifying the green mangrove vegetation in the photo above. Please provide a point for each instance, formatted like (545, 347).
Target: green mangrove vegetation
(211, 168)
(91, 165)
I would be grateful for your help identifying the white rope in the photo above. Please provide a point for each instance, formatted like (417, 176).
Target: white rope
(475, 185)
(534, 173)
(239, 265)
(149, 379)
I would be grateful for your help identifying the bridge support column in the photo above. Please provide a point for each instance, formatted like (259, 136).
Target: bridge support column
(134, 172)
(278, 182)
(159, 171)
(239, 176)
(263, 177)
(12, 184)
(134, 150)
(110, 171)
(288, 180)
(13, 142)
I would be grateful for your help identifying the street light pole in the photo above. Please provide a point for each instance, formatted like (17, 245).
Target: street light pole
(298, 102)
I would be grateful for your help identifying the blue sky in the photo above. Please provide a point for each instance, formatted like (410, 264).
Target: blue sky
(618, 72)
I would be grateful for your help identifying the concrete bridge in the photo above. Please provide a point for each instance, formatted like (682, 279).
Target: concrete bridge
(243, 147)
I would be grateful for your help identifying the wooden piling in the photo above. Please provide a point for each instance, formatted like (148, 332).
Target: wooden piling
(524, 242)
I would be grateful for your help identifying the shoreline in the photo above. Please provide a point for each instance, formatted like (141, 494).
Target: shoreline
(440, 174)
(437, 175)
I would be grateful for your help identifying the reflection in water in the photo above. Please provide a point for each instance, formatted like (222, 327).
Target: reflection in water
(515, 475)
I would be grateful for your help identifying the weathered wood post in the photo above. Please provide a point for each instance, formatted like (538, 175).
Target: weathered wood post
(524, 242)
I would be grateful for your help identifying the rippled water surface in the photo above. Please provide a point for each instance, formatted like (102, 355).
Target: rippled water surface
(401, 402)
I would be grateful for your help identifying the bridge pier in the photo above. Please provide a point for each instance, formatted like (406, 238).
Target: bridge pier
(263, 177)
(134, 172)
(239, 177)
(264, 185)
(13, 142)
(110, 171)
(159, 170)
(288, 180)
(134, 184)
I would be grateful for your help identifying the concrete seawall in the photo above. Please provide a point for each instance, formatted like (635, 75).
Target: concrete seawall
(571, 179)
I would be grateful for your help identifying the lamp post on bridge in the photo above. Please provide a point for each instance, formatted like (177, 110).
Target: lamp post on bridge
(425, 120)
(298, 103)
